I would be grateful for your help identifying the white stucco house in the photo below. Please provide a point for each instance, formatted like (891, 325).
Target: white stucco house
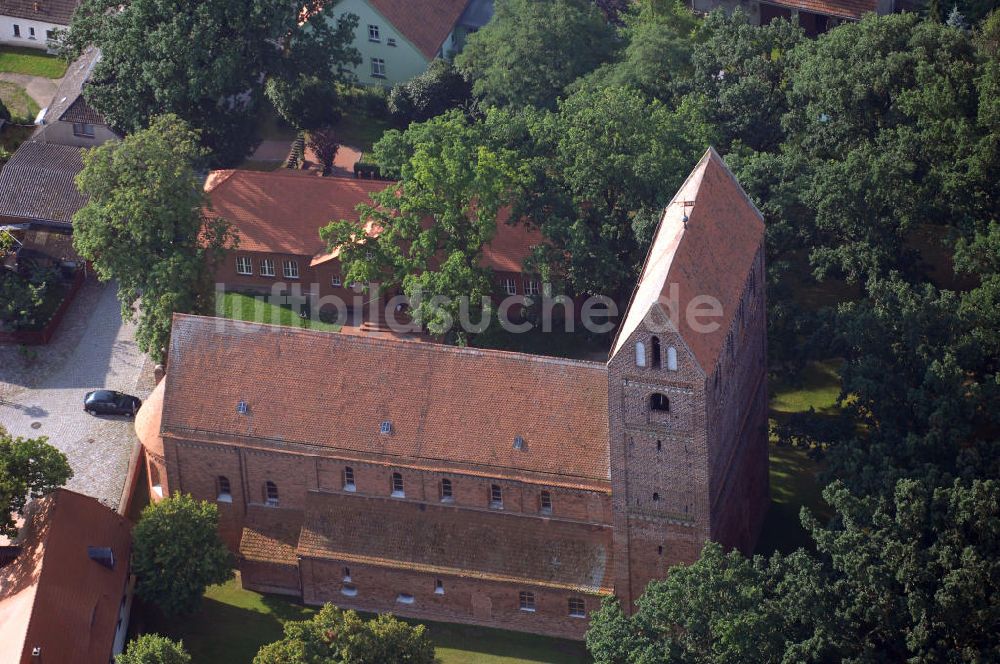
(33, 23)
(398, 39)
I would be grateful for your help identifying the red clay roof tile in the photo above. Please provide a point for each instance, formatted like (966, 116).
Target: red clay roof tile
(425, 23)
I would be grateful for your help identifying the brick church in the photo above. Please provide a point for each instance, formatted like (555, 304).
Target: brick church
(481, 486)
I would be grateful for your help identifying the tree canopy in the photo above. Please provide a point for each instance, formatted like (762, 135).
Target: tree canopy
(205, 61)
(530, 51)
(153, 649)
(177, 553)
(29, 469)
(144, 226)
(334, 636)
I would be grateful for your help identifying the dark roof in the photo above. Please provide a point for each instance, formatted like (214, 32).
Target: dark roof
(68, 104)
(49, 11)
(38, 183)
(54, 595)
(425, 23)
(852, 9)
(447, 405)
(438, 539)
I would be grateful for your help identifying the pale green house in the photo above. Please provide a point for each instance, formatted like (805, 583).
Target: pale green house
(398, 39)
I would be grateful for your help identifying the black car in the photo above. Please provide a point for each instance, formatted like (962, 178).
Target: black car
(107, 402)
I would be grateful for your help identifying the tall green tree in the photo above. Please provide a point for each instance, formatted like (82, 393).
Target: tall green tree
(432, 93)
(434, 223)
(530, 51)
(144, 226)
(205, 61)
(29, 469)
(333, 636)
(909, 577)
(153, 649)
(177, 553)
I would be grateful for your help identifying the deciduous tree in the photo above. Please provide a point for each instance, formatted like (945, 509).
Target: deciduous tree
(144, 226)
(29, 468)
(177, 553)
(153, 649)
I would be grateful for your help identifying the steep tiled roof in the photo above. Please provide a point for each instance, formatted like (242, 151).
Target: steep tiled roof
(446, 540)
(37, 183)
(445, 404)
(710, 255)
(48, 11)
(147, 420)
(52, 595)
(271, 535)
(425, 23)
(68, 104)
(852, 9)
(282, 212)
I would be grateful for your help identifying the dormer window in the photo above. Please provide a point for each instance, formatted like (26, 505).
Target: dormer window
(385, 427)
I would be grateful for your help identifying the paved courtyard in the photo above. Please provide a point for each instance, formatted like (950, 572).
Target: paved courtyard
(41, 392)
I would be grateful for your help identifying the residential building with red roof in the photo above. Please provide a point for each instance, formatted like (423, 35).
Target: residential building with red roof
(278, 216)
(65, 585)
(481, 486)
(398, 39)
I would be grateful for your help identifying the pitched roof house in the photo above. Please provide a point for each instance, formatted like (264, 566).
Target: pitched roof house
(31, 23)
(65, 589)
(815, 16)
(483, 486)
(397, 39)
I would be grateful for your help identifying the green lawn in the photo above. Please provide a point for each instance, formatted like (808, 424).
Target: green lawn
(360, 131)
(578, 345)
(234, 623)
(238, 306)
(34, 62)
(22, 107)
(794, 482)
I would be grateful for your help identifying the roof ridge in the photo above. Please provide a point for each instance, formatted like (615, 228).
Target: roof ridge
(394, 341)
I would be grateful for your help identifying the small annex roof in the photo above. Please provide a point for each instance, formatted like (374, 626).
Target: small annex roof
(850, 9)
(53, 595)
(710, 254)
(447, 406)
(440, 539)
(68, 104)
(425, 23)
(38, 183)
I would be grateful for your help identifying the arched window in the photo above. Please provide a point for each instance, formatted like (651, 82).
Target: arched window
(496, 497)
(656, 497)
(656, 352)
(397, 486)
(271, 493)
(545, 502)
(154, 479)
(671, 358)
(225, 489)
(349, 479)
(446, 495)
(658, 401)
(640, 354)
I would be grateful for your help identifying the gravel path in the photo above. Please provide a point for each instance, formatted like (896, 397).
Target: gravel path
(43, 395)
(39, 88)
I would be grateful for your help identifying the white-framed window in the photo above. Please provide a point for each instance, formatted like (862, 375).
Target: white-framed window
(526, 601)
(390, 41)
(446, 491)
(404, 598)
(373, 33)
(244, 265)
(336, 281)
(510, 286)
(378, 68)
(531, 287)
(577, 607)
(291, 269)
(17, 30)
(545, 502)
(225, 489)
(438, 587)
(83, 130)
(31, 33)
(496, 497)
(267, 267)
(671, 358)
(397, 486)
(270, 494)
(349, 479)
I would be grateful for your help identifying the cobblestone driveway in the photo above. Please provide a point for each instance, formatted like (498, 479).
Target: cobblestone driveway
(43, 395)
